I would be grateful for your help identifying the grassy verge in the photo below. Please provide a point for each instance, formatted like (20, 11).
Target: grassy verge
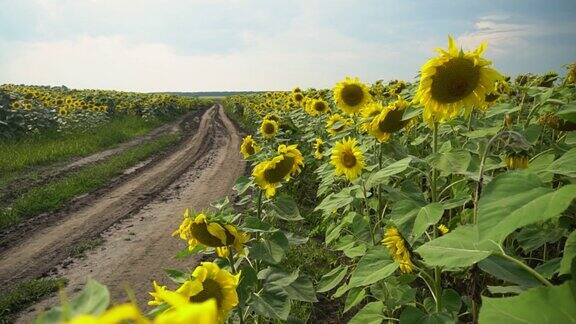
(26, 294)
(55, 194)
(18, 155)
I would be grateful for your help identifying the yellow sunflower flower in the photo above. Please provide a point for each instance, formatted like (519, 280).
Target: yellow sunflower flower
(389, 121)
(268, 128)
(248, 147)
(571, 74)
(318, 147)
(454, 81)
(317, 107)
(347, 158)
(185, 312)
(273, 117)
(269, 174)
(211, 282)
(397, 247)
(443, 229)
(116, 315)
(351, 95)
(199, 230)
(517, 161)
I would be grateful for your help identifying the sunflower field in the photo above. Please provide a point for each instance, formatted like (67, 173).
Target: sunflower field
(450, 199)
(26, 110)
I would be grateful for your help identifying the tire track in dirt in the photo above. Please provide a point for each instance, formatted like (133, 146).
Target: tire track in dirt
(136, 249)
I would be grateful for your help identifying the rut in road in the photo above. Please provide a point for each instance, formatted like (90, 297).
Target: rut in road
(137, 249)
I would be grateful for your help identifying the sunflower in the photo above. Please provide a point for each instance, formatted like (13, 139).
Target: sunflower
(269, 128)
(271, 116)
(211, 282)
(298, 97)
(389, 121)
(184, 312)
(317, 107)
(269, 174)
(336, 123)
(397, 247)
(199, 230)
(208, 282)
(347, 158)
(248, 147)
(351, 95)
(118, 314)
(453, 81)
(443, 229)
(318, 146)
(517, 160)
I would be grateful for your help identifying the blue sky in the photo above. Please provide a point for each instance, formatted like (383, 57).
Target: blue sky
(197, 45)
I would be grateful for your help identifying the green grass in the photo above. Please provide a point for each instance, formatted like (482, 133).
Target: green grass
(20, 154)
(55, 194)
(26, 294)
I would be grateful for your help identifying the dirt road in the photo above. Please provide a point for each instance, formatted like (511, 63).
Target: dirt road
(136, 249)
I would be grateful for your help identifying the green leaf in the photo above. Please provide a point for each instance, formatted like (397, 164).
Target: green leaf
(177, 276)
(537, 305)
(393, 293)
(274, 276)
(335, 201)
(271, 303)
(516, 199)
(373, 267)
(428, 215)
(534, 236)
(94, 299)
(508, 271)
(568, 113)
(505, 289)
(455, 161)
(565, 165)
(301, 289)
(372, 313)
(388, 171)
(253, 224)
(413, 315)
(540, 166)
(330, 280)
(271, 250)
(451, 300)
(286, 208)
(483, 132)
(459, 248)
(354, 297)
(549, 268)
(242, 184)
(569, 254)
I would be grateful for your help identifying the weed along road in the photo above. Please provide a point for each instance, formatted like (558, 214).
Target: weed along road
(136, 219)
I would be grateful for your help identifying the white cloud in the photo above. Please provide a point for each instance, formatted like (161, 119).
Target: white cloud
(303, 51)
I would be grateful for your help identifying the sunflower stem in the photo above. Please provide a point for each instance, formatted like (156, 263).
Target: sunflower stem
(233, 268)
(259, 204)
(434, 196)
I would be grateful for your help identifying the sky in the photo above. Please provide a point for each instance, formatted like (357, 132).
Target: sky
(216, 45)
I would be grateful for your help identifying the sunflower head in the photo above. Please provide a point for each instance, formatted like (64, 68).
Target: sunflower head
(318, 147)
(517, 160)
(396, 245)
(269, 174)
(347, 158)
(317, 107)
(389, 120)
(199, 229)
(453, 82)
(272, 116)
(443, 229)
(208, 283)
(351, 95)
(248, 147)
(298, 97)
(268, 128)
(550, 119)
